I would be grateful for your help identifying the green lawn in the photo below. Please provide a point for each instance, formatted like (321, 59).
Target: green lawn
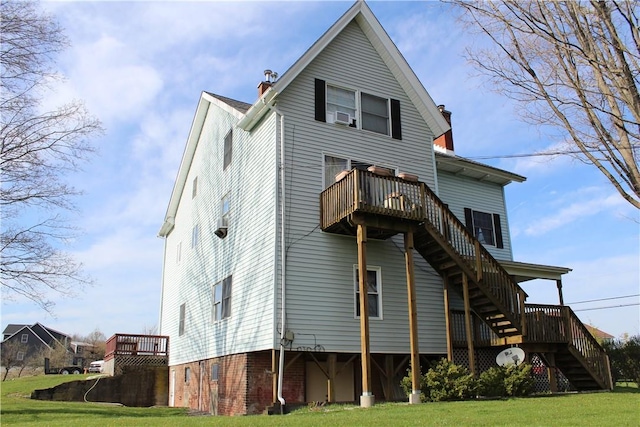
(620, 408)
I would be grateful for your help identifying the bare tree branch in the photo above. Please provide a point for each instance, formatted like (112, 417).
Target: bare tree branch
(572, 65)
(37, 150)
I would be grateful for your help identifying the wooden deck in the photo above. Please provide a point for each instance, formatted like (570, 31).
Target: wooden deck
(368, 205)
(136, 345)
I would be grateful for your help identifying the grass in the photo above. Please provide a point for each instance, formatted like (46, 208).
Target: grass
(620, 408)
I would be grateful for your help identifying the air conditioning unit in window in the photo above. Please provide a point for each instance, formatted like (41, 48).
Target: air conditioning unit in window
(222, 229)
(342, 118)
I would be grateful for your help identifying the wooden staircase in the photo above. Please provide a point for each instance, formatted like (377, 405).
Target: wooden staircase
(499, 301)
(459, 257)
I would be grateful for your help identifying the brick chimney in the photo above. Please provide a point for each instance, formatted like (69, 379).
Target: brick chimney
(269, 79)
(445, 141)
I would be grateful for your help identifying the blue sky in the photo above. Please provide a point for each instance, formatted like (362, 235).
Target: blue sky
(140, 68)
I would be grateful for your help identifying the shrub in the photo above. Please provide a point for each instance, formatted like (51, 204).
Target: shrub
(510, 380)
(518, 380)
(448, 381)
(491, 382)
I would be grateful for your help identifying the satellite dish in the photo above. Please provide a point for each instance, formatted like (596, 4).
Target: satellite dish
(510, 356)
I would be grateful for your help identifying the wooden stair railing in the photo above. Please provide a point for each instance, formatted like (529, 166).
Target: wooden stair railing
(586, 350)
(453, 252)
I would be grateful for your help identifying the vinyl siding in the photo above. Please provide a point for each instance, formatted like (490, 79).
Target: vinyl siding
(460, 192)
(247, 253)
(320, 286)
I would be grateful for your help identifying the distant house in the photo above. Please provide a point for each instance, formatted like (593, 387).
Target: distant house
(327, 237)
(598, 334)
(33, 339)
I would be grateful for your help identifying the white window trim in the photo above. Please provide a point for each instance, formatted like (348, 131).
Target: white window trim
(358, 108)
(20, 356)
(378, 271)
(24, 338)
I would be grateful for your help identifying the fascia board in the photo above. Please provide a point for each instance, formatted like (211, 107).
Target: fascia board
(502, 174)
(185, 164)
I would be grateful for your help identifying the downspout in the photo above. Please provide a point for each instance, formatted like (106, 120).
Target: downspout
(283, 254)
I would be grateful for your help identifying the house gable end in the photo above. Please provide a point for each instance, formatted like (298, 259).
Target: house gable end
(387, 50)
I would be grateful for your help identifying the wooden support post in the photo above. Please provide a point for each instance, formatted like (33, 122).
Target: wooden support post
(523, 314)
(551, 372)
(478, 262)
(467, 320)
(447, 320)
(366, 399)
(331, 381)
(274, 375)
(559, 285)
(413, 319)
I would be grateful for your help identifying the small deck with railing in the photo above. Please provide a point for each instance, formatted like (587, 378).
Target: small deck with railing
(137, 345)
(389, 203)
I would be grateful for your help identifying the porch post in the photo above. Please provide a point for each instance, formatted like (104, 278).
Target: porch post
(413, 319)
(559, 285)
(367, 399)
(467, 320)
(447, 320)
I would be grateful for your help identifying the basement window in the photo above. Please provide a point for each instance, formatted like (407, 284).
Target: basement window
(215, 371)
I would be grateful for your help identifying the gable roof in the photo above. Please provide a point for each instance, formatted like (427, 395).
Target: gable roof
(233, 107)
(25, 329)
(12, 329)
(387, 50)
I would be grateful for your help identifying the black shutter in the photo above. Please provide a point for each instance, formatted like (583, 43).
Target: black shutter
(498, 230)
(321, 101)
(468, 220)
(396, 128)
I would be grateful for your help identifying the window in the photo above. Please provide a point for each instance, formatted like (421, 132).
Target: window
(215, 371)
(24, 338)
(341, 101)
(357, 109)
(194, 187)
(485, 227)
(373, 290)
(183, 313)
(228, 145)
(222, 299)
(179, 253)
(375, 114)
(195, 234)
(187, 375)
(20, 355)
(225, 210)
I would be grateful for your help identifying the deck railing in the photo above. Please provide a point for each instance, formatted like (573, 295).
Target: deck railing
(491, 277)
(136, 345)
(364, 191)
(591, 351)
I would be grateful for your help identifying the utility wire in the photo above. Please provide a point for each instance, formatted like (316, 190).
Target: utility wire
(610, 306)
(602, 299)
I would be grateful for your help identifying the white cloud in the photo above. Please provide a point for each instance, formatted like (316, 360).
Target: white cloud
(583, 203)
